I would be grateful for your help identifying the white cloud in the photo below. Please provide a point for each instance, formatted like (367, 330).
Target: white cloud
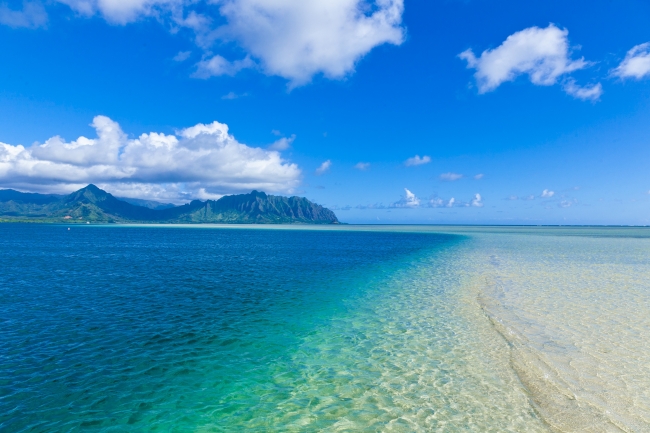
(82, 7)
(416, 160)
(200, 160)
(32, 15)
(479, 176)
(297, 39)
(409, 200)
(591, 93)
(122, 11)
(218, 65)
(439, 202)
(636, 63)
(476, 201)
(363, 166)
(541, 53)
(450, 177)
(547, 194)
(324, 167)
(294, 39)
(513, 197)
(283, 143)
(182, 56)
(276, 132)
(567, 203)
(436, 202)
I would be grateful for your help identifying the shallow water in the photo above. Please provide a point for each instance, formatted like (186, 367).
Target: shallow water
(334, 329)
(576, 311)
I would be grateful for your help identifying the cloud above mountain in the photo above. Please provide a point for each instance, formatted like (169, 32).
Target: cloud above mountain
(201, 161)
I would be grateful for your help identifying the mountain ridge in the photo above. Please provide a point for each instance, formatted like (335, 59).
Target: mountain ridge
(92, 204)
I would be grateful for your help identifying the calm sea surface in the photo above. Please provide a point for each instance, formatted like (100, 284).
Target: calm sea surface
(352, 328)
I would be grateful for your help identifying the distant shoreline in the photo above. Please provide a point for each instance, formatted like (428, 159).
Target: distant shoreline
(323, 226)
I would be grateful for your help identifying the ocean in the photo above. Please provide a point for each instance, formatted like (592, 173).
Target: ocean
(332, 328)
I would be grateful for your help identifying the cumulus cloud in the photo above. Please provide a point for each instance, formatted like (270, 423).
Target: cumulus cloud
(298, 39)
(200, 161)
(408, 200)
(450, 177)
(479, 176)
(547, 194)
(324, 167)
(32, 15)
(541, 53)
(416, 160)
(636, 63)
(293, 39)
(363, 166)
(283, 143)
(477, 201)
(591, 93)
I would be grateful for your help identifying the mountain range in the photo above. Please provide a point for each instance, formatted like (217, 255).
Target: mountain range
(94, 205)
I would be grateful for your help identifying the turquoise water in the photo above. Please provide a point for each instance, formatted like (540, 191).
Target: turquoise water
(210, 329)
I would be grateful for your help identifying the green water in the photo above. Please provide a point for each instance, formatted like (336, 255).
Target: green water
(354, 328)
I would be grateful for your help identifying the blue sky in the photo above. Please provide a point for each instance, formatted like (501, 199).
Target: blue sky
(549, 102)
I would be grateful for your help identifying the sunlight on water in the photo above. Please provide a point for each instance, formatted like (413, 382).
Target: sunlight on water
(576, 311)
(397, 329)
(413, 353)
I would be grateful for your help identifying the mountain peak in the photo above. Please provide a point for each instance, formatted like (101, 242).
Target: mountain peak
(94, 204)
(92, 187)
(91, 193)
(256, 193)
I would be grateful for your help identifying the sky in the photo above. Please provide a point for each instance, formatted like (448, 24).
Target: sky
(386, 111)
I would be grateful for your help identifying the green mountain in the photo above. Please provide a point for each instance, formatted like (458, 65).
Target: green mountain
(92, 204)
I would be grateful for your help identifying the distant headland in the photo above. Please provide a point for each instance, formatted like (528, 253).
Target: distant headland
(94, 205)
